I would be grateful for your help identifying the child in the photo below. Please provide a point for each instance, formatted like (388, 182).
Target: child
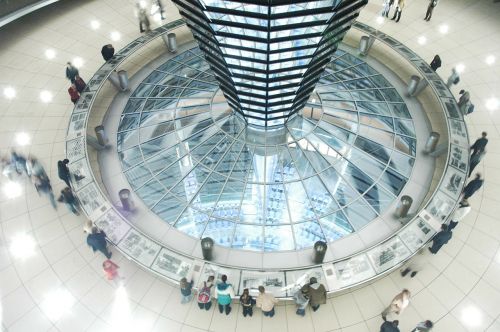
(110, 269)
(186, 290)
(205, 294)
(246, 302)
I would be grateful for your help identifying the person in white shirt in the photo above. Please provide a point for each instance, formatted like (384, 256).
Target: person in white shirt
(463, 210)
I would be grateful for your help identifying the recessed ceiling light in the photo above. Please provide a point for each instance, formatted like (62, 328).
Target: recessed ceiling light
(490, 59)
(77, 62)
(380, 19)
(94, 24)
(142, 3)
(115, 36)
(9, 92)
(460, 68)
(22, 246)
(57, 303)
(12, 189)
(46, 96)
(50, 54)
(23, 139)
(157, 17)
(422, 40)
(492, 104)
(471, 316)
(444, 28)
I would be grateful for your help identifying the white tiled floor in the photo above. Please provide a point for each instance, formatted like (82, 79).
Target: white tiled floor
(61, 287)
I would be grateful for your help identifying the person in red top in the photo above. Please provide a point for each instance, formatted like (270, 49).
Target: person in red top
(110, 269)
(73, 93)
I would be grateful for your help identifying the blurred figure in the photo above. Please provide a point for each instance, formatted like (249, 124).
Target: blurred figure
(440, 239)
(70, 200)
(424, 326)
(480, 144)
(35, 168)
(186, 290)
(107, 52)
(160, 8)
(71, 72)
(73, 93)
(315, 292)
(436, 62)
(19, 163)
(7, 168)
(110, 269)
(387, 7)
(473, 186)
(80, 84)
(390, 326)
(430, 9)
(463, 101)
(301, 302)
(42, 185)
(475, 159)
(398, 303)
(454, 78)
(97, 241)
(144, 25)
(63, 171)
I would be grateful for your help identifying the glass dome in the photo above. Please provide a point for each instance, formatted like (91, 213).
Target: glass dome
(333, 168)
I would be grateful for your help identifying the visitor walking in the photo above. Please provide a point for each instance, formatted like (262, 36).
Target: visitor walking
(80, 84)
(460, 213)
(440, 239)
(301, 301)
(424, 326)
(266, 302)
(430, 9)
(475, 159)
(387, 7)
(247, 303)
(224, 293)
(315, 292)
(205, 294)
(463, 101)
(473, 186)
(390, 326)
(97, 241)
(436, 62)
(480, 144)
(399, 9)
(144, 24)
(186, 290)
(35, 168)
(161, 10)
(63, 171)
(42, 186)
(454, 78)
(398, 304)
(73, 93)
(71, 72)
(70, 200)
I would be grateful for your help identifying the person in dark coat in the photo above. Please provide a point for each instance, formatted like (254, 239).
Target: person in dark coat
(97, 240)
(480, 144)
(315, 292)
(390, 326)
(107, 52)
(440, 239)
(71, 72)
(42, 186)
(69, 199)
(430, 9)
(475, 159)
(436, 62)
(473, 186)
(63, 171)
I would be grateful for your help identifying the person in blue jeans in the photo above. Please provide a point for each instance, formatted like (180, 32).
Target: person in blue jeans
(224, 294)
(186, 290)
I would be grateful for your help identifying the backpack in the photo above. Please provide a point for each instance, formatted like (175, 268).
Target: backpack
(204, 294)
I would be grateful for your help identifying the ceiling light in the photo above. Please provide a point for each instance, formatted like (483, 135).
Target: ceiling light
(157, 17)
(12, 189)
(9, 92)
(490, 59)
(422, 40)
(471, 316)
(460, 68)
(46, 96)
(22, 246)
(77, 62)
(142, 4)
(57, 303)
(380, 19)
(444, 28)
(492, 104)
(50, 54)
(94, 24)
(115, 36)
(23, 139)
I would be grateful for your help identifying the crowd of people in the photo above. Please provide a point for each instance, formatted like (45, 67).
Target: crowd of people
(399, 5)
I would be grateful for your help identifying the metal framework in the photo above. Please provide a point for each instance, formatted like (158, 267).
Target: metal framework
(268, 55)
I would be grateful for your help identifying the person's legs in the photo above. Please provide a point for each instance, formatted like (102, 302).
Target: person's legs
(399, 15)
(105, 251)
(315, 307)
(141, 29)
(245, 311)
(52, 199)
(228, 309)
(266, 313)
(201, 305)
(221, 308)
(430, 13)
(395, 14)
(271, 313)
(208, 305)
(452, 225)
